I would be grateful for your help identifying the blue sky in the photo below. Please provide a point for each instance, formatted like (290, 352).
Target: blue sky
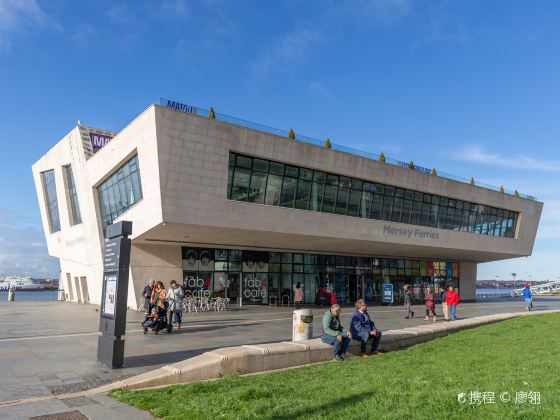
(469, 87)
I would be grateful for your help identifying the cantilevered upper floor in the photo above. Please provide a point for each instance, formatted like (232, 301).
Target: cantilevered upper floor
(184, 179)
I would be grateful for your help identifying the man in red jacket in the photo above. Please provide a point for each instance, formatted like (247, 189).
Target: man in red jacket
(452, 299)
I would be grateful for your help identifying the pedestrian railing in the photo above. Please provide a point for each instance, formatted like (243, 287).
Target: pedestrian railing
(310, 140)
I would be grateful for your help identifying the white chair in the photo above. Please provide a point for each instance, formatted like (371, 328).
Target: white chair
(204, 304)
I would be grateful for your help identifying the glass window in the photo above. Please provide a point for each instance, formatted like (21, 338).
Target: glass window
(358, 184)
(344, 181)
(307, 189)
(276, 168)
(342, 200)
(260, 165)
(376, 207)
(354, 202)
(306, 174)
(432, 221)
(406, 211)
(288, 192)
(365, 205)
(302, 195)
(389, 191)
(397, 207)
(387, 207)
(273, 188)
(49, 187)
(416, 210)
(75, 214)
(329, 198)
(425, 214)
(123, 189)
(244, 162)
(291, 171)
(320, 177)
(258, 187)
(316, 200)
(332, 179)
(230, 179)
(240, 186)
(457, 219)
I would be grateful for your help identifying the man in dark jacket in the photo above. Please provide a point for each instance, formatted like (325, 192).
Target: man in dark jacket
(363, 328)
(146, 294)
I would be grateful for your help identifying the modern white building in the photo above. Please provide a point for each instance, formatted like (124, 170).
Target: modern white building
(236, 209)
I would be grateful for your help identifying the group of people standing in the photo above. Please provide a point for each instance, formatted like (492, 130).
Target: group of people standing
(160, 302)
(449, 302)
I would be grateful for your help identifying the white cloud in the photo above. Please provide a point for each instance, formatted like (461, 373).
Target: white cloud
(477, 154)
(18, 17)
(287, 53)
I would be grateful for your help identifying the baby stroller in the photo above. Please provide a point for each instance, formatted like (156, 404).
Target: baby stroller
(156, 325)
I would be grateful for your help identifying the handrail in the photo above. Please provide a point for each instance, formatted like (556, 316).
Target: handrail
(201, 112)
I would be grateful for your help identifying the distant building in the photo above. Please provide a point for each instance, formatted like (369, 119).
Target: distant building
(237, 212)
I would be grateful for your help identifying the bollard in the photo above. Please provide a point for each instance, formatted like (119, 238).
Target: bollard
(11, 295)
(302, 325)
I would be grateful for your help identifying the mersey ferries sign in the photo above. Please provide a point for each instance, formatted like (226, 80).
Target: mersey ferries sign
(410, 233)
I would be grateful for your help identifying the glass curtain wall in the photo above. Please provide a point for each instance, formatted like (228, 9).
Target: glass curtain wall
(73, 196)
(256, 277)
(120, 191)
(262, 181)
(49, 187)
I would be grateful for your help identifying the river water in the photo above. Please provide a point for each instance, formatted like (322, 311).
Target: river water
(30, 296)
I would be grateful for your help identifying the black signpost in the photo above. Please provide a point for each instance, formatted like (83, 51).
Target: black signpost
(112, 322)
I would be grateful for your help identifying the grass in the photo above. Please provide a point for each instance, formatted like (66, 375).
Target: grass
(421, 382)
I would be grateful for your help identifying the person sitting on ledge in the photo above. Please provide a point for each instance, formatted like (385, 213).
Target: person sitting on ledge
(335, 334)
(363, 328)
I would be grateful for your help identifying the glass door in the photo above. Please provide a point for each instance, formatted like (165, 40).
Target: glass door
(254, 288)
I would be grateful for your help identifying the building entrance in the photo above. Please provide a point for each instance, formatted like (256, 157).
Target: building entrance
(354, 288)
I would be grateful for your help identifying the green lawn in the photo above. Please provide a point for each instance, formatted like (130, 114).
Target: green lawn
(519, 355)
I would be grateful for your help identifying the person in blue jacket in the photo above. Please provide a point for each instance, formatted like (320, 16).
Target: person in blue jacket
(528, 297)
(363, 328)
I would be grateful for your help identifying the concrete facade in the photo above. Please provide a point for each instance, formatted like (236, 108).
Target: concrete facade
(183, 161)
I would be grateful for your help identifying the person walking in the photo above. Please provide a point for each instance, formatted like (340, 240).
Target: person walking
(452, 299)
(408, 301)
(335, 334)
(363, 329)
(158, 296)
(430, 304)
(528, 296)
(174, 298)
(147, 294)
(298, 295)
(442, 295)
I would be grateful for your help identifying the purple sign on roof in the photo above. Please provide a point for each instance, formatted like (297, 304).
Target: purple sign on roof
(98, 140)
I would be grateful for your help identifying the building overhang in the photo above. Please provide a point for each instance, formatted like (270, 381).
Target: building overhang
(220, 237)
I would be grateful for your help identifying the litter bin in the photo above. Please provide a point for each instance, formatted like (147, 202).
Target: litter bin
(303, 325)
(11, 295)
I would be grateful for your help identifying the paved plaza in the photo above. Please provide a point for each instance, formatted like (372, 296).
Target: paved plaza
(49, 348)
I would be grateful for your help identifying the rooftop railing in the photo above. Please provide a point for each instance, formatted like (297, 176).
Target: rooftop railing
(311, 140)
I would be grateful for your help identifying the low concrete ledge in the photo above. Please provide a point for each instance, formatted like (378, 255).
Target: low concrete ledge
(256, 358)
